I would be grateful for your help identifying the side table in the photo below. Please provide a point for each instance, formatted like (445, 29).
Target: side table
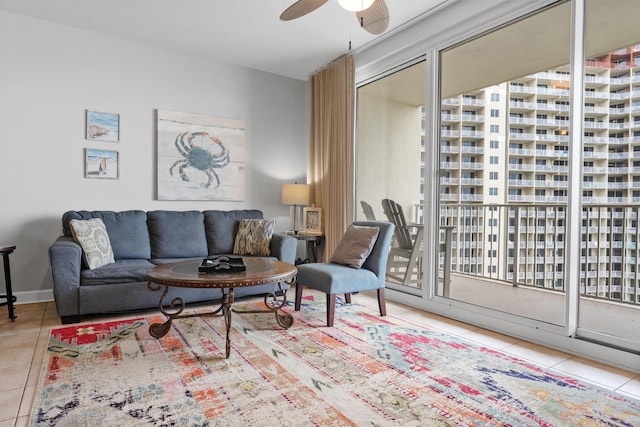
(313, 241)
(5, 250)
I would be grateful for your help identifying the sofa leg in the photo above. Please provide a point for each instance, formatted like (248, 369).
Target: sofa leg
(381, 302)
(331, 308)
(298, 296)
(347, 298)
(70, 319)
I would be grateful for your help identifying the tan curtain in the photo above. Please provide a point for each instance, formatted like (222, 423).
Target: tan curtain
(331, 167)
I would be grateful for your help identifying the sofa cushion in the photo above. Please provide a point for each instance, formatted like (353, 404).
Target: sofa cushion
(122, 271)
(177, 234)
(92, 236)
(355, 246)
(222, 226)
(254, 237)
(127, 231)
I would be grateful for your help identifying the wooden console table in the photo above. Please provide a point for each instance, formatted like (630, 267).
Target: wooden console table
(313, 241)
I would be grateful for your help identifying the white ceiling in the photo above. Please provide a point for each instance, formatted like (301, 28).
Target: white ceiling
(248, 33)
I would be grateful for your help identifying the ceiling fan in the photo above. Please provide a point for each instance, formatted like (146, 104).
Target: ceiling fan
(373, 15)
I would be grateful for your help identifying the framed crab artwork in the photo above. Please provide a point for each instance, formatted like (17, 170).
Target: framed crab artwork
(199, 157)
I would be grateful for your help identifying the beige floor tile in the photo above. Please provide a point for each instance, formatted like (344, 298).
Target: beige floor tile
(29, 322)
(36, 306)
(490, 339)
(537, 354)
(594, 372)
(449, 326)
(631, 387)
(9, 403)
(9, 423)
(14, 376)
(22, 422)
(27, 401)
(17, 350)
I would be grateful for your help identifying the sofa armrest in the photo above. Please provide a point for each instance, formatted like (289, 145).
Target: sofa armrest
(65, 257)
(283, 247)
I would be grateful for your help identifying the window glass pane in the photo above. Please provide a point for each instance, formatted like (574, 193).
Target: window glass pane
(390, 161)
(506, 220)
(611, 175)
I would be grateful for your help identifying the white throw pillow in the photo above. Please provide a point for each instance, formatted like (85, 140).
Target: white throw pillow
(92, 236)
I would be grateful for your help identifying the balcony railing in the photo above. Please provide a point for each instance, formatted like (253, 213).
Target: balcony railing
(524, 245)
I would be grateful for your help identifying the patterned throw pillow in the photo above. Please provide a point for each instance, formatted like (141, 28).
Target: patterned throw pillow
(355, 246)
(92, 235)
(254, 237)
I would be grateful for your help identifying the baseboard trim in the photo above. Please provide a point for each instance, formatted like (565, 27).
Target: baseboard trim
(30, 297)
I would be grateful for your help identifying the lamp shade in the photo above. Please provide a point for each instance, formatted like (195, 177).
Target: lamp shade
(295, 194)
(355, 5)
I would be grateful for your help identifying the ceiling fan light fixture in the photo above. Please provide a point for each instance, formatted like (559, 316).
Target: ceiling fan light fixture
(355, 5)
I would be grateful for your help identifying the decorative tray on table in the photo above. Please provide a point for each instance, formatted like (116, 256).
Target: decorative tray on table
(222, 264)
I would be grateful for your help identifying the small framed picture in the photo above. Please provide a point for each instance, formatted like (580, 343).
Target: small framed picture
(313, 220)
(101, 164)
(103, 126)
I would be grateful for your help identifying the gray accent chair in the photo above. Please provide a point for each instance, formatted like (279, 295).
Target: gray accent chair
(333, 279)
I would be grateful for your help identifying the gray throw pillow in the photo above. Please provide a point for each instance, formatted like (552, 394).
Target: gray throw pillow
(355, 246)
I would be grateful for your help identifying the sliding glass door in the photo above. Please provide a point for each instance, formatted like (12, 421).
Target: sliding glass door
(514, 159)
(504, 150)
(609, 303)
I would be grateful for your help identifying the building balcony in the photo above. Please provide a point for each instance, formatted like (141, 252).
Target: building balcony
(472, 102)
(521, 167)
(596, 95)
(522, 136)
(449, 149)
(449, 181)
(521, 121)
(521, 183)
(474, 118)
(450, 118)
(472, 181)
(471, 197)
(528, 106)
(449, 165)
(472, 134)
(445, 133)
(520, 152)
(472, 165)
(472, 150)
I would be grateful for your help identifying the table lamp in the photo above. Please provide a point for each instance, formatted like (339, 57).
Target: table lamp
(297, 196)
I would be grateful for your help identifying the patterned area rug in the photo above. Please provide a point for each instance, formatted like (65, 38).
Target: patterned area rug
(365, 371)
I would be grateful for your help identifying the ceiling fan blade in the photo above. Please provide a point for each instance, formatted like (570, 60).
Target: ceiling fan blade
(301, 8)
(375, 19)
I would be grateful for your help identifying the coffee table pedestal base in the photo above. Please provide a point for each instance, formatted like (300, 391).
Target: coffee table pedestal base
(272, 301)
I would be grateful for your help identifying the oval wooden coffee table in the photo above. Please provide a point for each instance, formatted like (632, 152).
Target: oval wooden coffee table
(185, 274)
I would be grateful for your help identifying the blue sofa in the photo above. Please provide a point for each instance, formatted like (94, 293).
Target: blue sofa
(141, 240)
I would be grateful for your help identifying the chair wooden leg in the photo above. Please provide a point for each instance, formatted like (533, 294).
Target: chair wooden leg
(298, 296)
(381, 302)
(347, 298)
(331, 308)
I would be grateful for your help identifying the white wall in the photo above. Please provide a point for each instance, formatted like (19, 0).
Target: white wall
(50, 74)
(388, 151)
